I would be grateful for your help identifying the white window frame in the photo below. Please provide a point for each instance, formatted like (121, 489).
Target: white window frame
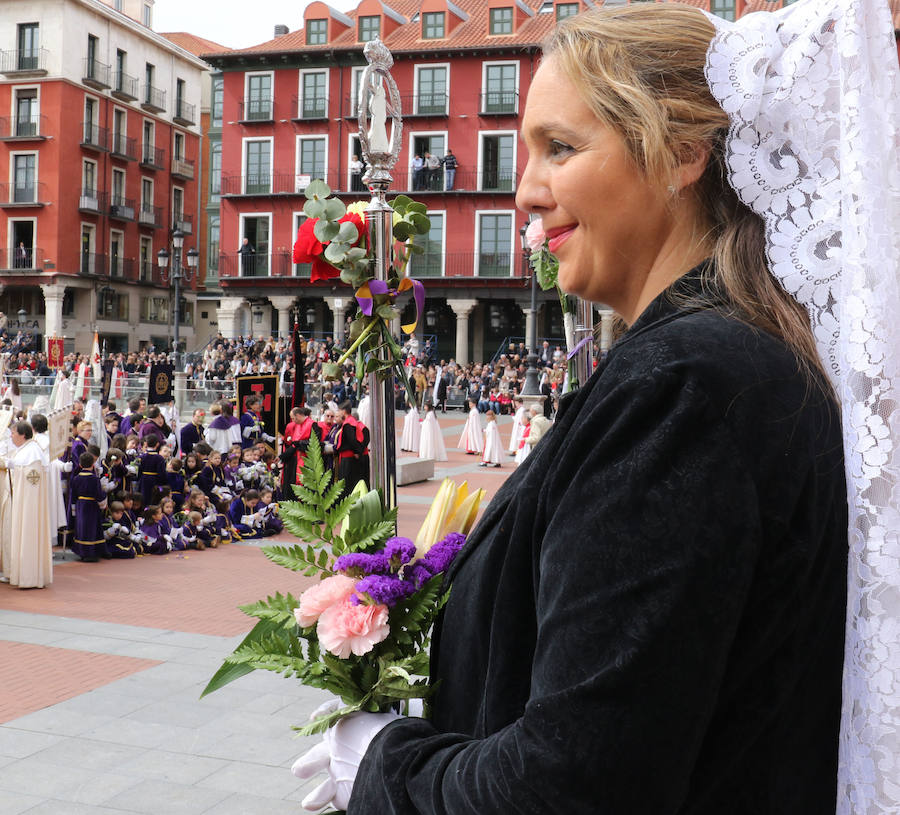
(92, 245)
(96, 99)
(12, 170)
(247, 76)
(356, 73)
(301, 74)
(172, 206)
(295, 221)
(34, 225)
(14, 90)
(495, 63)
(512, 241)
(175, 134)
(297, 148)
(244, 142)
(112, 182)
(350, 139)
(412, 262)
(411, 153)
(419, 67)
(243, 217)
(515, 135)
(119, 109)
(141, 241)
(121, 234)
(152, 122)
(152, 201)
(96, 180)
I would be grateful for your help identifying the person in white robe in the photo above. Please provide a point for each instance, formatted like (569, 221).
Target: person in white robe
(524, 447)
(364, 411)
(473, 431)
(517, 427)
(57, 474)
(64, 395)
(31, 550)
(431, 442)
(493, 447)
(409, 441)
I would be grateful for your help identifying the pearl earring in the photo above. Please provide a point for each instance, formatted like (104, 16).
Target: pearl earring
(672, 190)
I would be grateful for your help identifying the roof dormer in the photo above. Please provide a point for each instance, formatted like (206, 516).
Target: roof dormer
(506, 16)
(439, 18)
(324, 24)
(375, 18)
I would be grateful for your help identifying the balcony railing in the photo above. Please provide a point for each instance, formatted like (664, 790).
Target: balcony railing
(183, 222)
(185, 113)
(183, 168)
(149, 272)
(23, 127)
(24, 61)
(499, 102)
(154, 99)
(123, 147)
(23, 194)
(279, 183)
(257, 110)
(121, 208)
(489, 180)
(94, 137)
(152, 158)
(92, 264)
(125, 87)
(21, 259)
(121, 268)
(311, 107)
(495, 264)
(90, 200)
(150, 215)
(95, 74)
(425, 104)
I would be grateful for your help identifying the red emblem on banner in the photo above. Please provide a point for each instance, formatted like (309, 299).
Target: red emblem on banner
(55, 353)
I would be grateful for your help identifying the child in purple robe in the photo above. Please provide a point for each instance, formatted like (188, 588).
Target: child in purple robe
(153, 533)
(272, 524)
(194, 533)
(152, 469)
(87, 502)
(244, 516)
(175, 480)
(170, 525)
(118, 533)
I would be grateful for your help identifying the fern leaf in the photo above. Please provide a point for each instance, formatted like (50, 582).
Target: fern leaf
(296, 558)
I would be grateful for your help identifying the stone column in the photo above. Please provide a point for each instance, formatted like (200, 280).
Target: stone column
(338, 305)
(53, 306)
(530, 317)
(462, 309)
(226, 314)
(283, 305)
(607, 317)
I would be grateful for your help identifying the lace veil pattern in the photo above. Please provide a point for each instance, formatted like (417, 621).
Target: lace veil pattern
(813, 94)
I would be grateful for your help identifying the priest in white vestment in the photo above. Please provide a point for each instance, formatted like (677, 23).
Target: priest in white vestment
(58, 469)
(31, 551)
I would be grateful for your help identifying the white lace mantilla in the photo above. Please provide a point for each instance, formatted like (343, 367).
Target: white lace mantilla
(813, 93)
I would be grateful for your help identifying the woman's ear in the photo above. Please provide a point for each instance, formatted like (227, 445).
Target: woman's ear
(694, 158)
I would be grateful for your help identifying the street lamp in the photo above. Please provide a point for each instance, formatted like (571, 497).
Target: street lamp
(531, 387)
(178, 274)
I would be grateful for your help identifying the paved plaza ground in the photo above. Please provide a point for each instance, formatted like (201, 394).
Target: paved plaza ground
(101, 673)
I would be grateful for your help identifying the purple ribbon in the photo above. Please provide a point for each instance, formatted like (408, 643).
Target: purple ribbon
(578, 347)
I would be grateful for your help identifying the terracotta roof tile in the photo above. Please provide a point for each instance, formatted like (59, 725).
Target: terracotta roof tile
(194, 44)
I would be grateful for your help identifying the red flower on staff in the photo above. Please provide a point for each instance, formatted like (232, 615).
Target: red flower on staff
(309, 249)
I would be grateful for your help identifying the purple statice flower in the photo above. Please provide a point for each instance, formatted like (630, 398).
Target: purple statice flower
(383, 589)
(417, 574)
(441, 555)
(359, 564)
(399, 551)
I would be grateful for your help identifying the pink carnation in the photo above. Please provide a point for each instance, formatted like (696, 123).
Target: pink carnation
(534, 235)
(345, 628)
(315, 600)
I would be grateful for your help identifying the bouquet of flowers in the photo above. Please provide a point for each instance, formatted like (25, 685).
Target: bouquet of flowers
(546, 267)
(335, 240)
(362, 632)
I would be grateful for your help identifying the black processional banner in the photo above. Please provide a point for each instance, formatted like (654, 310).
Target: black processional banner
(162, 377)
(106, 382)
(265, 386)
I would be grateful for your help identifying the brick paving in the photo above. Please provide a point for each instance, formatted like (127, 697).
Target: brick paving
(100, 677)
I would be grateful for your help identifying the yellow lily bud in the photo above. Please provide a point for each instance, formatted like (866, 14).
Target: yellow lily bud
(454, 509)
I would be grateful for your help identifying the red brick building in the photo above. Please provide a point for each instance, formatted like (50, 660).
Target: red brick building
(464, 70)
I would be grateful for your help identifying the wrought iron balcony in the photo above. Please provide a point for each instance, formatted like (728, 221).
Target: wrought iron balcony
(503, 103)
(154, 99)
(19, 62)
(92, 264)
(95, 74)
(23, 128)
(94, 137)
(123, 147)
(90, 201)
(23, 194)
(257, 110)
(21, 259)
(121, 208)
(150, 215)
(185, 113)
(152, 158)
(125, 87)
(121, 268)
(183, 222)
(278, 183)
(310, 108)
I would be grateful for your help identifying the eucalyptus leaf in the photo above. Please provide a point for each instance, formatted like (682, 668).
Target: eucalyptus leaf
(348, 277)
(356, 253)
(348, 233)
(402, 230)
(416, 206)
(334, 252)
(317, 189)
(326, 230)
(314, 209)
(420, 222)
(335, 209)
(387, 312)
(401, 204)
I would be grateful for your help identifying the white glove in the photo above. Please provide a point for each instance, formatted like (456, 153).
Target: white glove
(168, 543)
(339, 755)
(170, 439)
(268, 438)
(248, 431)
(67, 466)
(136, 537)
(329, 448)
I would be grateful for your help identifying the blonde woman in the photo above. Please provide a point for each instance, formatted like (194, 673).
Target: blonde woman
(649, 617)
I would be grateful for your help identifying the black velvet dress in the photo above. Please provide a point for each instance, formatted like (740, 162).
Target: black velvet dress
(649, 619)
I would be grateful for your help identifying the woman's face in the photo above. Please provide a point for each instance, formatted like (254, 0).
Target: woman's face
(608, 225)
